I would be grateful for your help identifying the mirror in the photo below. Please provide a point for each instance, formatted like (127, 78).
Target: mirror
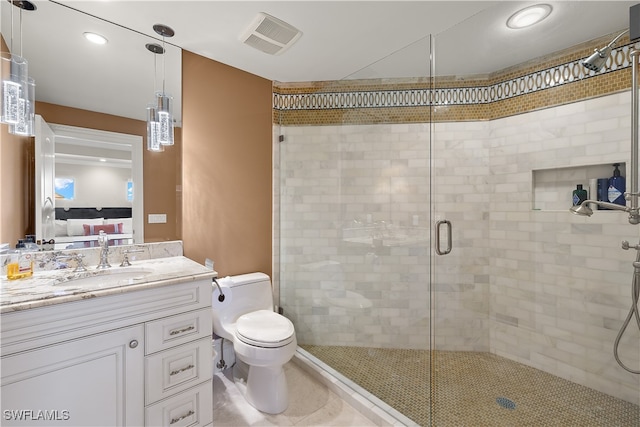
(115, 79)
(86, 181)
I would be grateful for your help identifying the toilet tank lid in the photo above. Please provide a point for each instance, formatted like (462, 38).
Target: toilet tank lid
(243, 279)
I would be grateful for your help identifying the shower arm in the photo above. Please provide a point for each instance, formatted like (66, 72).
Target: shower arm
(612, 206)
(613, 42)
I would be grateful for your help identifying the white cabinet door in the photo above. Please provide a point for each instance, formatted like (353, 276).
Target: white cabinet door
(92, 381)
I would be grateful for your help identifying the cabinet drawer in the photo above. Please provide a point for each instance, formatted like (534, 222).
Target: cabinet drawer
(177, 369)
(175, 330)
(193, 407)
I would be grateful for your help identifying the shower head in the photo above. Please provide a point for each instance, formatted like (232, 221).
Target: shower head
(581, 209)
(598, 58)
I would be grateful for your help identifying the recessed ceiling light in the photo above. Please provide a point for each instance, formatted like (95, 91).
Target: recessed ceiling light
(529, 16)
(103, 160)
(95, 38)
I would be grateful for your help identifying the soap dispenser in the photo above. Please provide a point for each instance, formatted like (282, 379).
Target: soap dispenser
(20, 262)
(579, 195)
(617, 187)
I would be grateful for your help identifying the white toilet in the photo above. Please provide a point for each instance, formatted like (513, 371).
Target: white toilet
(261, 338)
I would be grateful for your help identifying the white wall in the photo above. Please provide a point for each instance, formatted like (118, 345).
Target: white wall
(95, 186)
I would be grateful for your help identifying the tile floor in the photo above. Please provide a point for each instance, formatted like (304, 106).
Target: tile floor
(311, 403)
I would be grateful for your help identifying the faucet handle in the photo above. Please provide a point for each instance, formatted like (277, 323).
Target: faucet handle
(77, 258)
(125, 256)
(626, 246)
(80, 264)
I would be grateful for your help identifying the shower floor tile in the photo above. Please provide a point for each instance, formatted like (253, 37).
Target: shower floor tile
(474, 389)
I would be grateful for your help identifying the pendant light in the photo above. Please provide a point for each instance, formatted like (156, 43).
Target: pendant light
(153, 123)
(160, 112)
(17, 91)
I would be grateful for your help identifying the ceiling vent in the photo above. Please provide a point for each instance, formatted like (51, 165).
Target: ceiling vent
(270, 35)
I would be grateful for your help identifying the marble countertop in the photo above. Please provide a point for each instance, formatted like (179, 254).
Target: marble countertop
(59, 286)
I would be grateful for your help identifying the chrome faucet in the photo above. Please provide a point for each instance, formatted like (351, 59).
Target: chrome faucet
(103, 241)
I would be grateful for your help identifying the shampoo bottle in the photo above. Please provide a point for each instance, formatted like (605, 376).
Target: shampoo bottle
(579, 195)
(617, 187)
(603, 192)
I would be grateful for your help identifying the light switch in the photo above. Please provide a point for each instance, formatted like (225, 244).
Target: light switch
(157, 218)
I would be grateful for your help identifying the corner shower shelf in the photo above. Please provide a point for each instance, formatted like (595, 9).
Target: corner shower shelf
(552, 188)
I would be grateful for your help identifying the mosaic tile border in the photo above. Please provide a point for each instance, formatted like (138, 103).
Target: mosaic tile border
(540, 80)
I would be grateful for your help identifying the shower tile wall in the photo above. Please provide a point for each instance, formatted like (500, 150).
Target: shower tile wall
(355, 234)
(545, 288)
(560, 283)
(461, 195)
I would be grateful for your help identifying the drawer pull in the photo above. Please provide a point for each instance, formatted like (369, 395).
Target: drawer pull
(175, 420)
(179, 331)
(177, 371)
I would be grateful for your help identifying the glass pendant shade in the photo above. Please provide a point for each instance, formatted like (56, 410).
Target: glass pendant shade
(165, 117)
(153, 129)
(17, 89)
(14, 79)
(159, 113)
(26, 111)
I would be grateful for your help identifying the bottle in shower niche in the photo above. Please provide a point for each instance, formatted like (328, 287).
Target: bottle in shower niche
(617, 187)
(579, 195)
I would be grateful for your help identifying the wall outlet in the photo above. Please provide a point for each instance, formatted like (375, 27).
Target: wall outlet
(157, 218)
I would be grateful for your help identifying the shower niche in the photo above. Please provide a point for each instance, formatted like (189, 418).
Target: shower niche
(552, 188)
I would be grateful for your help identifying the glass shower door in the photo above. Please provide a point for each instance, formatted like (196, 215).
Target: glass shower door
(528, 303)
(355, 229)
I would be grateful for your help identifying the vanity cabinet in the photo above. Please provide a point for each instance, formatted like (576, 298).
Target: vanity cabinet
(142, 357)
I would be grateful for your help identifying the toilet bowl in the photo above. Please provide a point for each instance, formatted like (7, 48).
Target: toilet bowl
(262, 339)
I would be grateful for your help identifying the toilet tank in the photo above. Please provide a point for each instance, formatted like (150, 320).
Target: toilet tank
(251, 292)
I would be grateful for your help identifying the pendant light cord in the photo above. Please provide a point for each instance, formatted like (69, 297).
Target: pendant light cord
(11, 47)
(11, 38)
(163, 64)
(21, 33)
(155, 72)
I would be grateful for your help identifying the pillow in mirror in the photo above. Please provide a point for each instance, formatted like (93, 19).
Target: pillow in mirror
(127, 224)
(74, 226)
(91, 230)
(60, 227)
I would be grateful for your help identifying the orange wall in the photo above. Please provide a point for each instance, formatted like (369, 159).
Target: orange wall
(161, 170)
(16, 162)
(227, 166)
(16, 166)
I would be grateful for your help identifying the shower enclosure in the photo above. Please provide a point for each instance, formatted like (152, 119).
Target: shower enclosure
(425, 251)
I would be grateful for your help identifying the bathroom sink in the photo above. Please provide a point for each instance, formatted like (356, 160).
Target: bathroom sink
(107, 276)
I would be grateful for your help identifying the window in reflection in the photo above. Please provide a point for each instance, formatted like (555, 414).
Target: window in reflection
(65, 188)
(129, 191)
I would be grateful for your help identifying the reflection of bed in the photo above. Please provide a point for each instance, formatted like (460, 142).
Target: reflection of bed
(75, 225)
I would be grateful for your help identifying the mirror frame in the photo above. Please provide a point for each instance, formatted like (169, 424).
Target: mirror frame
(135, 145)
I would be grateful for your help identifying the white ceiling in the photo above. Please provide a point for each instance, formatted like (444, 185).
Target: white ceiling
(341, 39)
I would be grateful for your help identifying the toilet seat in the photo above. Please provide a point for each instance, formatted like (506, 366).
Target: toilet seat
(264, 328)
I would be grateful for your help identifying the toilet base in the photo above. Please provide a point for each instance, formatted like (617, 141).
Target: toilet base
(265, 388)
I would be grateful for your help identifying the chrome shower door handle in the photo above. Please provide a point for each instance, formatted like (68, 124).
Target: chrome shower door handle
(449, 237)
